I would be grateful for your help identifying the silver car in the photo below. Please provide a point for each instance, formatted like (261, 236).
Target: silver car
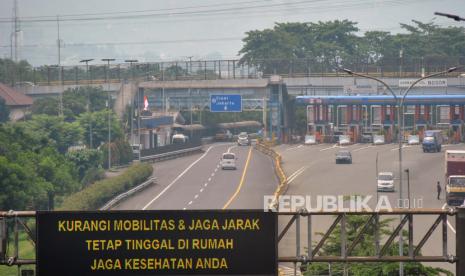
(385, 182)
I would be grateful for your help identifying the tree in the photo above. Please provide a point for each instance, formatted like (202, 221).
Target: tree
(4, 111)
(76, 101)
(99, 122)
(84, 160)
(60, 134)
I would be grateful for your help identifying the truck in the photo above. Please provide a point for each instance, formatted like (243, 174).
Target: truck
(432, 141)
(455, 177)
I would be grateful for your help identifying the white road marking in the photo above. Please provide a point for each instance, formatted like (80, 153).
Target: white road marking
(367, 147)
(196, 196)
(206, 184)
(178, 177)
(230, 148)
(209, 179)
(334, 146)
(297, 147)
(216, 169)
(448, 223)
(213, 174)
(201, 189)
(190, 202)
(184, 208)
(296, 174)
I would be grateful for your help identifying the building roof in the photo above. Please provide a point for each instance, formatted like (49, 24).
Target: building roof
(13, 97)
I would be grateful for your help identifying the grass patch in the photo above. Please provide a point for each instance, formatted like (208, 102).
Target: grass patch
(97, 194)
(26, 251)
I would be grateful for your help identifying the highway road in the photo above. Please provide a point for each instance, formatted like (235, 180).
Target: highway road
(198, 182)
(313, 172)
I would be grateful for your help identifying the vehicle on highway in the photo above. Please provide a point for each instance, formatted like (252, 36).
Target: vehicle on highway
(378, 140)
(136, 149)
(385, 182)
(243, 139)
(223, 135)
(432, 141)
(228, 161)
(413, 140)
(310, 140)
(179, 139)
(343, 156)
(455, 177)
(344, 140)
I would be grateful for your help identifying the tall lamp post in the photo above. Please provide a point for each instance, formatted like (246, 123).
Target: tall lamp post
(131, 63)
(88, 99)
(407, 171)
(400, 106)
(108, 60)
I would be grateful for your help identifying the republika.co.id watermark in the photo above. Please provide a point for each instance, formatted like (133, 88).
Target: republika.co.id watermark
(337, 203)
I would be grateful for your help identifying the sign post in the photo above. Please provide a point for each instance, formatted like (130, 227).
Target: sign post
(157, 242)
(225, 103)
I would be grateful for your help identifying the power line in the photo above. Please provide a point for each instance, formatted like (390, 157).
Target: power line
(192, 13)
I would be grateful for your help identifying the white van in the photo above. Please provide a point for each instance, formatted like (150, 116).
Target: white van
(179, 139)
(228, 161)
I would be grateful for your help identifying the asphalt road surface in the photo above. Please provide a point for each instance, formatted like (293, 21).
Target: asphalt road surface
(313, 172)
(198, 182)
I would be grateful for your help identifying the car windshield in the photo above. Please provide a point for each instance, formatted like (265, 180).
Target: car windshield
(429, 139)
(385, 177)
(229, 156)
(242, 135)
(457, 181)
(343, 153)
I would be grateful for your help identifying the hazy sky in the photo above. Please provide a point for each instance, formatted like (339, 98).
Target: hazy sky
(153, 30)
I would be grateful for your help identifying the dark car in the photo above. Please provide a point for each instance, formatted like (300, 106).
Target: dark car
(343, 156)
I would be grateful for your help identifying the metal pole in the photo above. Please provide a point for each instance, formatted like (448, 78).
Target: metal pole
(460, 244)
(88, 99)
(109, 109)
(131, 66)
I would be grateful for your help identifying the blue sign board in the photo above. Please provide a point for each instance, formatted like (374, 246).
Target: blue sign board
(225, 103)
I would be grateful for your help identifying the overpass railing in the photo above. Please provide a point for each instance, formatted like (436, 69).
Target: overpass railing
(411, 67)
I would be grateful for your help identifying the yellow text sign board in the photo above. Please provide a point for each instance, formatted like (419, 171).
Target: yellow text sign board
(157, 243)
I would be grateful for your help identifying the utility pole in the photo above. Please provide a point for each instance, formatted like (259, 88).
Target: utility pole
(88, 100)
(131, 63)
(59, 66)
(16, 32)
(108, 60)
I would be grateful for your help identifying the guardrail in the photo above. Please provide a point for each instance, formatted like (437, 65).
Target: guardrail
(170, 155)
(283, 184)
(124, 195)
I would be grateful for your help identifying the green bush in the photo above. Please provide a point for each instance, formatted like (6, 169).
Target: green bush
(97, 194)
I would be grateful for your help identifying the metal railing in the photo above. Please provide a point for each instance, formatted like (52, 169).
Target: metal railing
(227, 69)
(115, 201)
(347, 245)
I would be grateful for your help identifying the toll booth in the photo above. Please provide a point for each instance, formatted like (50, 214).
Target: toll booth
(323, 132)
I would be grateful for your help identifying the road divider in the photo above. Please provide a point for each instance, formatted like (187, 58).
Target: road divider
(283, 181)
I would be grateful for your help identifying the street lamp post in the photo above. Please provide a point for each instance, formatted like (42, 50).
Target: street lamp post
(131, 62)
(88, 99)
(108, 60)
(407, 171)
(400, 106)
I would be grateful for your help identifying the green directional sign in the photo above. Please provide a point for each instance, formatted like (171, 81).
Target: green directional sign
(157, 243)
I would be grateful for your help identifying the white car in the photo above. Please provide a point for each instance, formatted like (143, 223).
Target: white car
(413, 140)
(228, 161)
(310, 140)
(385, 182)
(344, 140)
(243, 139)
(378, 139)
